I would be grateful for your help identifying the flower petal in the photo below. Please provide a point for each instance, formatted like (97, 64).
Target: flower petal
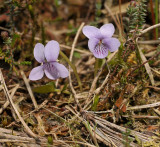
(62, 70)
(91, 32)
(54, 70)
(98, 49)
(112, 44)
(51, 51)
(51, 71)
(39, 52)
(107, 30)
(92, 43)
(36, 73)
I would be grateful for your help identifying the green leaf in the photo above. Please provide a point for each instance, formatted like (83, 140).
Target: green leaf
(64, 87)
(44, 89)
(56, 2)
(95, 103)
(15, 37)
(50, 140)
(77, 55)
(66, 92)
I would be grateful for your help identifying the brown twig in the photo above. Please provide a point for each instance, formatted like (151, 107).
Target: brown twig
(143, 64)
(2, 28)
(104, 82)
(5, 105)
(95, 80)
(109, 11)
(153, 87)
(153, 17)
(82, 143)
(120, 3)
(150, 28)
(149, 42)
(86, 125)
(78, 50)
(147, 67)
(27, 115)
(29, 89)
(144, 106)
(70, 58)
(28, 130)
(14, 137)
(142, 116)
(157, 111)
(10, 140)
(92, 90)
(113, 126)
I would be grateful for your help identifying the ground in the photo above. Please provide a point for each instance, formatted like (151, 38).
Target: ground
(113, 101)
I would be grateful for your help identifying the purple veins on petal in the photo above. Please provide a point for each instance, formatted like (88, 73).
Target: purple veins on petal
(92, 43)
(50, 71)
(100, 51)
(97, 48)
(100, 40)
(62, 70)
(47, 56)
(54, 70)
(36, 73)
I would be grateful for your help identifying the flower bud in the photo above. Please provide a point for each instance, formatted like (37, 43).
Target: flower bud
(4, 34)
(133, 3)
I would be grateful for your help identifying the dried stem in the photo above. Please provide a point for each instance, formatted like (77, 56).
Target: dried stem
(28, 130)
(73, 48)
(150, 28)
(147, 67)
(5, 105)
(144, 106)
(70, 58)
(85, 124)
(29, 89)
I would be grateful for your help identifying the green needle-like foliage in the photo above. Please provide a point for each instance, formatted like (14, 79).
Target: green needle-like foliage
(137, 13)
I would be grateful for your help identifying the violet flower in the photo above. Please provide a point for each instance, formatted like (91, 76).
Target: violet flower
(101, 40)
(47, 56)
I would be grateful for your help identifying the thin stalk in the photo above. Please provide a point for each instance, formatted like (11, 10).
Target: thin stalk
(156, 16)
(96, 67)
(73, 67)
(153, 17)
(120, 3)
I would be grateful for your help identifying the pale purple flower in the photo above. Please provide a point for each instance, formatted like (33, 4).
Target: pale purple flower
(47, 56)
(101, 40)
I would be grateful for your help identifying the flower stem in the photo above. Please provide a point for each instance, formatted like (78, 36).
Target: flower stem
(96, 67)
(156, 16)
(73, 67)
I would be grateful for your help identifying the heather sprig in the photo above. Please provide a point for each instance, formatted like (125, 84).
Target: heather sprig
(137, 13)
(11, 39)
(14, 10)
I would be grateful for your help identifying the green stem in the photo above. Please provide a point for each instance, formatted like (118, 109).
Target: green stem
(96, 67)
(156, 17)
(73, 67)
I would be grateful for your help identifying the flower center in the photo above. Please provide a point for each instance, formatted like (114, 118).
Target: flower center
(100, 48)
(100, 42)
